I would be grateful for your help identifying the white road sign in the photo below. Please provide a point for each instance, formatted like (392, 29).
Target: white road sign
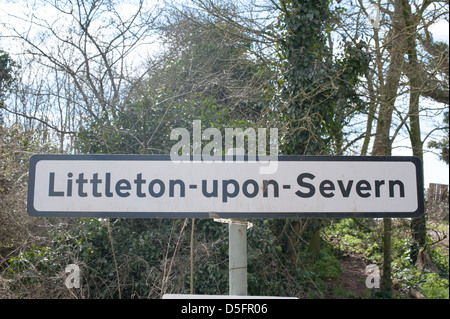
(155, 186)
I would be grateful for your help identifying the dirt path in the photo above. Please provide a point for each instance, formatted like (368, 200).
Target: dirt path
(352, 283)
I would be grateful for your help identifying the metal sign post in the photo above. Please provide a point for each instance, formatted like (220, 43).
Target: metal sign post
(238, 257)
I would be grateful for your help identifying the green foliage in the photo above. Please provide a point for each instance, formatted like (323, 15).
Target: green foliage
(144, 249)
(7, 69)
(348, 235)
(272, 272)
(16, 146)
(435, 287)
(431, 284)
(327, 265)
(319, 89)
(145, 124)
(207, 75)
(139, 254)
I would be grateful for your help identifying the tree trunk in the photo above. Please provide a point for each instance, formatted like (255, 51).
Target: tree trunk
(418, 225)
(382, 143)
(314, 241)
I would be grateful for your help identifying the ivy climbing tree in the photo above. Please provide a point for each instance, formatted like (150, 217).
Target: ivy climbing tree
(318, 93)
(319, 89)
(7, 66)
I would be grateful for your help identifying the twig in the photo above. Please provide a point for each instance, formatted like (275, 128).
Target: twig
(108, 226)
(164, 287)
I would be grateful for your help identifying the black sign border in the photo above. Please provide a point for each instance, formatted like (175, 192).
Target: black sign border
(250, 215)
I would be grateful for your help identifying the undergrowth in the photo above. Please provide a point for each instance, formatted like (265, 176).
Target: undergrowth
(364, 238)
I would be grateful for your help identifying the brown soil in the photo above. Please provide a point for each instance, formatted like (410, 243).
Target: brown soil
(352, 283)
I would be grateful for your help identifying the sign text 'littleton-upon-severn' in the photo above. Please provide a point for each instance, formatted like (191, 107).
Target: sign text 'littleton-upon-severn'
(154, 186)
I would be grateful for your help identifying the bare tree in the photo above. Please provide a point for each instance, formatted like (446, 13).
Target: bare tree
(82, 52)
(405, 70)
